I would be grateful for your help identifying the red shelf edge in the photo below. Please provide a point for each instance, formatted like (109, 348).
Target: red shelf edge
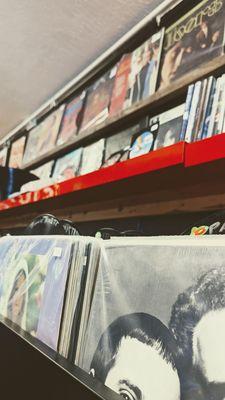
(153, 161)
(206, 150)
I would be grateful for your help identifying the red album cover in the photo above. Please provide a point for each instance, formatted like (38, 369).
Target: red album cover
(16, 153)
(120, 85)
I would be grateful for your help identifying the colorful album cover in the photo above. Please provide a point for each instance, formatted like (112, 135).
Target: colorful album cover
(3, 156)
(16, 153)
(42, 138)
(69, 126)
(67, 167)
(54, 292)
(196, 38)
(144, 69)
(118, 145)
(157, 319)
(26, 265)
(120, 86)
(44, 171)
(168, 127)
(143, 144)
(92, 157)
(97, 102)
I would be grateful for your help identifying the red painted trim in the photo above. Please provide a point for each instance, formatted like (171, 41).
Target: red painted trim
(156, 160)
(204, 151)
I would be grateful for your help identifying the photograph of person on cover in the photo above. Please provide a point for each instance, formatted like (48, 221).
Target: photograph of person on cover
(194, 39)
(142, 80)
(132, 353)
(198, 325)
(17, 298)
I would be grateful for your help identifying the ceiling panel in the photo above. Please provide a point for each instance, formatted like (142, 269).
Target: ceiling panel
(44, 44)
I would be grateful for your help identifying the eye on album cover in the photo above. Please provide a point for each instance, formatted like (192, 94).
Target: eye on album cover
(158, 315)
(69, 126)
(42, 138)
(195, 38)
(16, 153)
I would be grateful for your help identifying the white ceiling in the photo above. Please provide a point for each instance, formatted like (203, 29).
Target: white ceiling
(46, 43)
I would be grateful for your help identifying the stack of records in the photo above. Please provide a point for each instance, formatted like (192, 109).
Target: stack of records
(157, 314)
(41, 278)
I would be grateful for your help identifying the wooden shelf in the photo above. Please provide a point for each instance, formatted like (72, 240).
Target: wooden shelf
(151, 106)
(180, 178)
(34, 371)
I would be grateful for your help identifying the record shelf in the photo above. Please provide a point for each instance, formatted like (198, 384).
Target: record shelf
(158, 101)
(38, 372)
(185, 177)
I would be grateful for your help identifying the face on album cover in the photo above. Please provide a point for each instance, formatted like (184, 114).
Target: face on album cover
(157, 323)
(22, 289)
(195, 38)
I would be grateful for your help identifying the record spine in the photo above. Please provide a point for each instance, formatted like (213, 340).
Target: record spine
(206, 121)
(219, 108)
(193, 109)
(214, 108)
(187, 111)
(222, 110)
(199, 111)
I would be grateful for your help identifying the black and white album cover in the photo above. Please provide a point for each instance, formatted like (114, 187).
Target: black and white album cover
(168, 126)
(157, 321)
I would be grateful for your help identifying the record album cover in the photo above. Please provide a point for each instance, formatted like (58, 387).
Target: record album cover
(67, 167)
(97, 102)
(118, 145)
(16, 153)
(44, 171)
(168, 126)
(69, 126)
(42, 138)
(120, 86)
(144, 69)
(32, 283)
(157, 319)
(142, 144)
(196, 38)
(92, 157)
(3, 156)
